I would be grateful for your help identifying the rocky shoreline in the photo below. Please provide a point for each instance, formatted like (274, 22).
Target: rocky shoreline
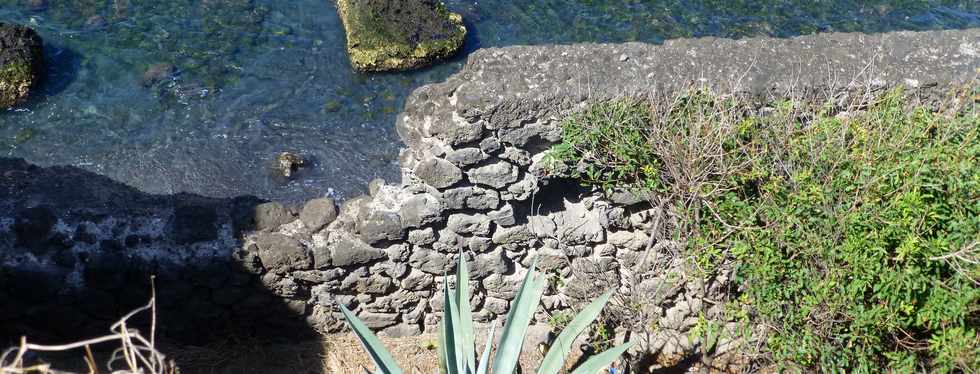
(472, 183)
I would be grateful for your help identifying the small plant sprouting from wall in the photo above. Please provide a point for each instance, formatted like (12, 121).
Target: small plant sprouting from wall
(854, 230)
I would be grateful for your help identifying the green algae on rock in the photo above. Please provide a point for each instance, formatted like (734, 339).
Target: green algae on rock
(21, 59)
(393, 35)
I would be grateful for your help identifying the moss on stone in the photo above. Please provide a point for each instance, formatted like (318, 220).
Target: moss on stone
(16, 80)
(20, 63)
(391, 35)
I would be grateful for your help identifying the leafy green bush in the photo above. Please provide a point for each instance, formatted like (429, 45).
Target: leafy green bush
(457, 340)
(855, 230)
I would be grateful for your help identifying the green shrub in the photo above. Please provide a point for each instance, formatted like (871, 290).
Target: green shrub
(855, 233)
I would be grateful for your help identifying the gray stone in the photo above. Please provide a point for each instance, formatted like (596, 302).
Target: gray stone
(605, 249)
(269, 216)
(281, 286)
(378, 225)
(631, 240)
(542, 226)
(483, 199)
(521, 190)
(496, 175)
(512, 235)
(456, 132)
(479, 244)
(398, 252)
(402, 331)
(578, 225)
(319, 276)
(496, 306)
(623, 197)
(438, 173)
(503, 216)
(466, 156)
(318, 213)
(476, 224)
(417, 281)
(424, 236)
(469, 197)
(376, 321)
(419, 210)
(550, 259)
(358, 283)
(503, 286)
(489, 263)
(516, 155)
(490, 144)
(430, 261)
(449, 241)
(522, 136)
(375, 185)
(348, 251)
(280, 253)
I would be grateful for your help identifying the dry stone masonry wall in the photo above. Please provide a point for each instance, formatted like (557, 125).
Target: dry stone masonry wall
(473, 183)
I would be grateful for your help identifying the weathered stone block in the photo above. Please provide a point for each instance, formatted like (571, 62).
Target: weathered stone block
(419, 210)
(318, 213)
(269, 216)
(475, 224)
(438, 173)
(378, 225)
(466, 156)
(430, 261)
(280, 253)
(348, 251)
(496, 175)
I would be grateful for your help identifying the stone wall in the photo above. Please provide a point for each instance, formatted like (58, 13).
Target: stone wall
(473, 183)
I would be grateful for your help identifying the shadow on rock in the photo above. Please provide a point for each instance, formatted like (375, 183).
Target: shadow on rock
(77, 251)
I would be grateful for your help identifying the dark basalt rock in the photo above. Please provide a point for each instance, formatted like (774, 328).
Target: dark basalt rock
(33, 225)
(21, 63)
(391, 35)
(194, 224)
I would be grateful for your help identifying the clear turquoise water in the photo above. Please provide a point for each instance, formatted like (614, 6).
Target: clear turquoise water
(257, 77)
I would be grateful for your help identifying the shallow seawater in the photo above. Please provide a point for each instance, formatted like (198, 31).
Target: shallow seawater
(257, 77)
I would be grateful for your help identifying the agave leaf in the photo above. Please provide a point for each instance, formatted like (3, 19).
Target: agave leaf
(465, 314)
(485, 358)
(379, 354)
(599, 361)
(442, 347)
(521, 311)
(562, 345)
(450, 324)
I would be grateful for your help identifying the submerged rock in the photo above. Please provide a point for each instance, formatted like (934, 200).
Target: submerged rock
(288, 163)
(157, 73)
(37, 5)
(21, 59)
(391, 35)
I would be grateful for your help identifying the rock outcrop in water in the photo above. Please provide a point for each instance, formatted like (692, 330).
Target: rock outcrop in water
(392, 35)
(21, 63)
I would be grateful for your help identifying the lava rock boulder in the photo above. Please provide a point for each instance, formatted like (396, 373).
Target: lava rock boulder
(395, 35)
(21, 63)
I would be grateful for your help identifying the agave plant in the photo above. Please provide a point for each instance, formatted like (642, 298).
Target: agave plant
(457, 348)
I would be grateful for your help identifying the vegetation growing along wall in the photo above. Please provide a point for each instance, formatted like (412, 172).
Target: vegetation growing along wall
(855, 229)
